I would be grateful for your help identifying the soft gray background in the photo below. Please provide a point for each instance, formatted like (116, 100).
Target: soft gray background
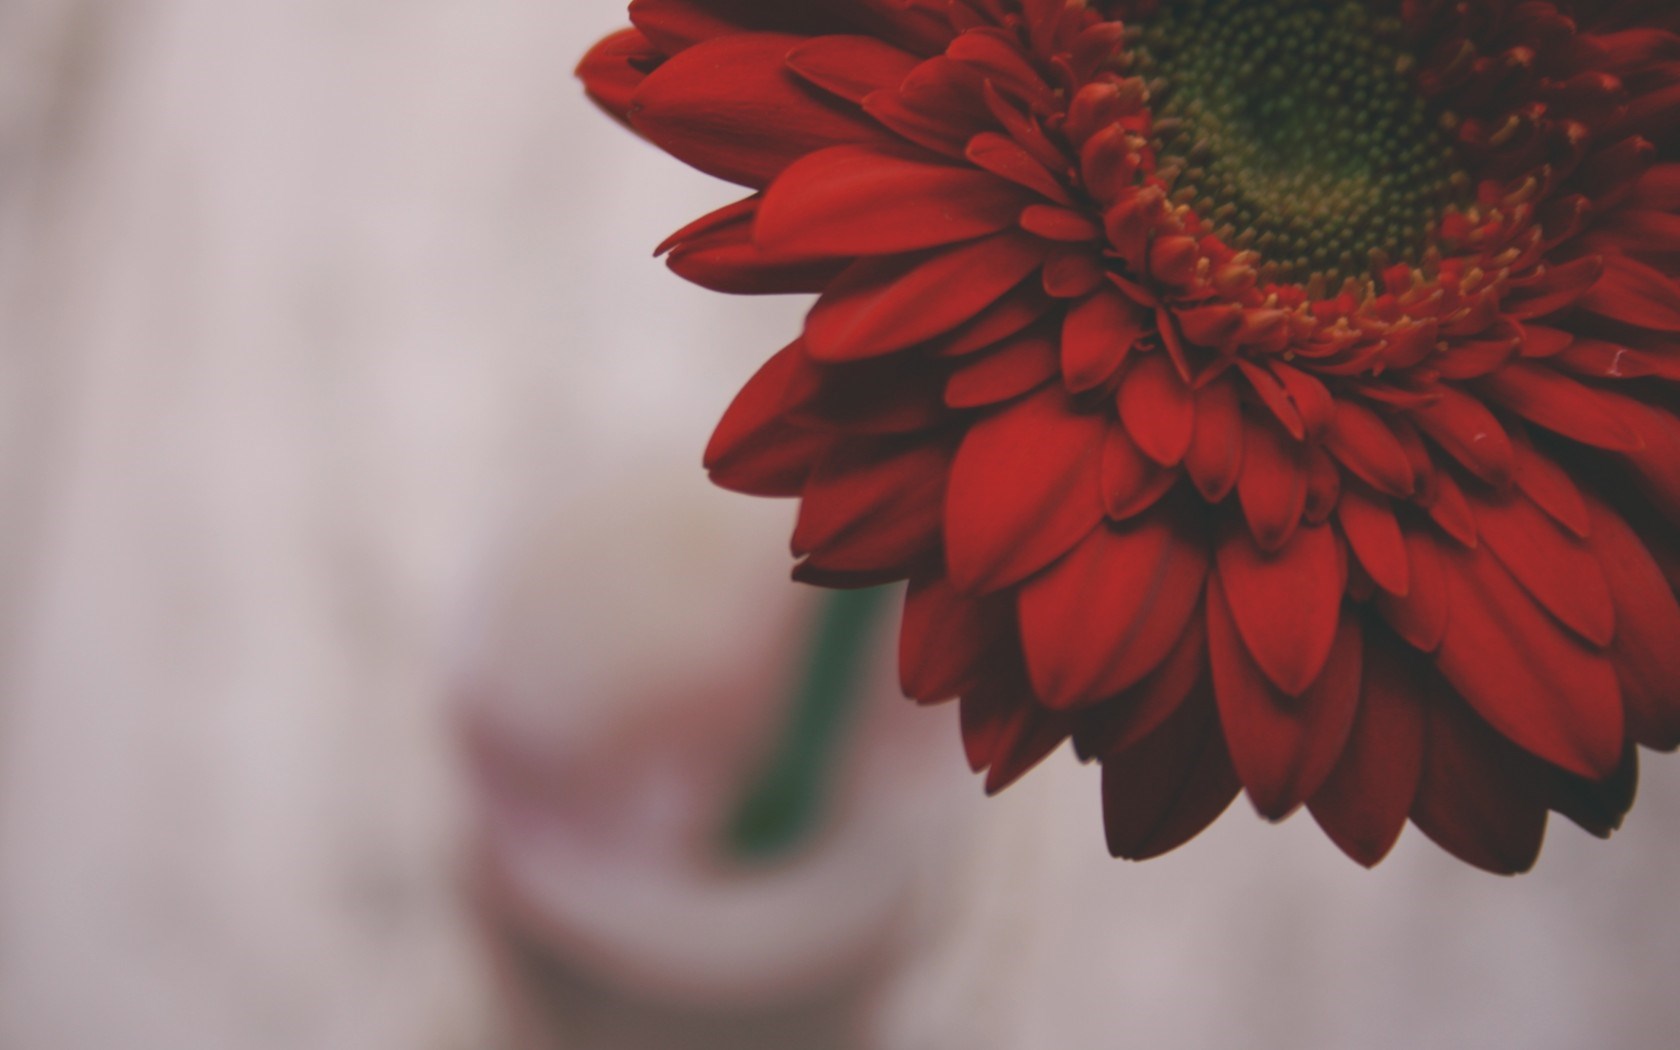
(317, 316)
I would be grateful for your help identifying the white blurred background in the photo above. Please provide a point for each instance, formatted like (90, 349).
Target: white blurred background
(375, 658)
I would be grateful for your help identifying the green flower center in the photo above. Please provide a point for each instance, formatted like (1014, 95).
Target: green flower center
(1296, 132)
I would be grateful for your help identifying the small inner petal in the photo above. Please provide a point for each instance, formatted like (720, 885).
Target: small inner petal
(1294, 130)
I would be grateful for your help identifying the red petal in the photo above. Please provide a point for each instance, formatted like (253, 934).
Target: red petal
(1324, 486)
(1028, 739)
(1646, 653)
(754, 449)
(1464, 427)
(1115, 726)
(873, 505)
(1364, 803)
(1560, 404)
(1003, 727)
(614, 68)
(1420, 616)
(1283, 747)
(1158, 409)
(1161, 793)
(1097, 335)
(1658, 460)
(1470, 799)
(851, 67)
(1451, 510)
(1073, 271)
(1025, 487)
(1556, 568)
(879, 306)
(718, 253)
(1309, 396)
(1551, 488)
(1131, 482)
(1004, 157)
(945, 638)
(730, 107)
(1214, 461)
(1010, 315)
(1540, 686)
(1286, 605)
(1273, 395)
(1105, 616)
(860, 200)
(1363, 442)
(1273, 485)
(1373, 532)
(1008, 371)
(1634, 293)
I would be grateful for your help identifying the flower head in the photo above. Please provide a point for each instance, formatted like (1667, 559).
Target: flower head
(1270, 395)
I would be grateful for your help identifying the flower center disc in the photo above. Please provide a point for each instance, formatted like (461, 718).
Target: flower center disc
(1296, 132)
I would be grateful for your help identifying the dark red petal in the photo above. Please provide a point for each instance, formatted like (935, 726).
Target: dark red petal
(879, 396)
(1373, 533)
(1025, 487)
(1097, 336)
(754, 449)
(945, 638)
(1542, 687)
(614, 68)
(879, 306)
(1273, 395)
(1131, 482)
(1021, 733)
(1105, 616)
(1551, 488)
(1556, 288)
(1272, 487)
(1556, 568)
(1010, 315)
(851, 67)
(1364, 803)
(1286, 605)
(1464, 427)
(730, 107)
(1004, 157)
(1282, 746)
(1471, 798)
(1548, 399)
(1214, 461)
(721, 256)
(1310, 397)
(1011, 369)
(1646, 653)
(861, 200)
(1636, 294)
(983, 714)
(1324, 486)
(873, 504)
(1658, 458)
(1451, 510)
(1161, 793)
(1363, 443)
(1056, 223)
(1158, 409)
(1115, 726)
(1420, 616)
(1596, 806)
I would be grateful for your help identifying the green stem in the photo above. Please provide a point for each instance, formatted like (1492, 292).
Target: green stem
(784, 801)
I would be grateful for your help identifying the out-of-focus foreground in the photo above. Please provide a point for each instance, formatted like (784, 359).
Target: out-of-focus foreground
(377, 662)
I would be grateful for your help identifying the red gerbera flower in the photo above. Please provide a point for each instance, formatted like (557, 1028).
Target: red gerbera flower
(1269, 395)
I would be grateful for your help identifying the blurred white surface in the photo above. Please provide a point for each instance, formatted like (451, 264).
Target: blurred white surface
(314, 315)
